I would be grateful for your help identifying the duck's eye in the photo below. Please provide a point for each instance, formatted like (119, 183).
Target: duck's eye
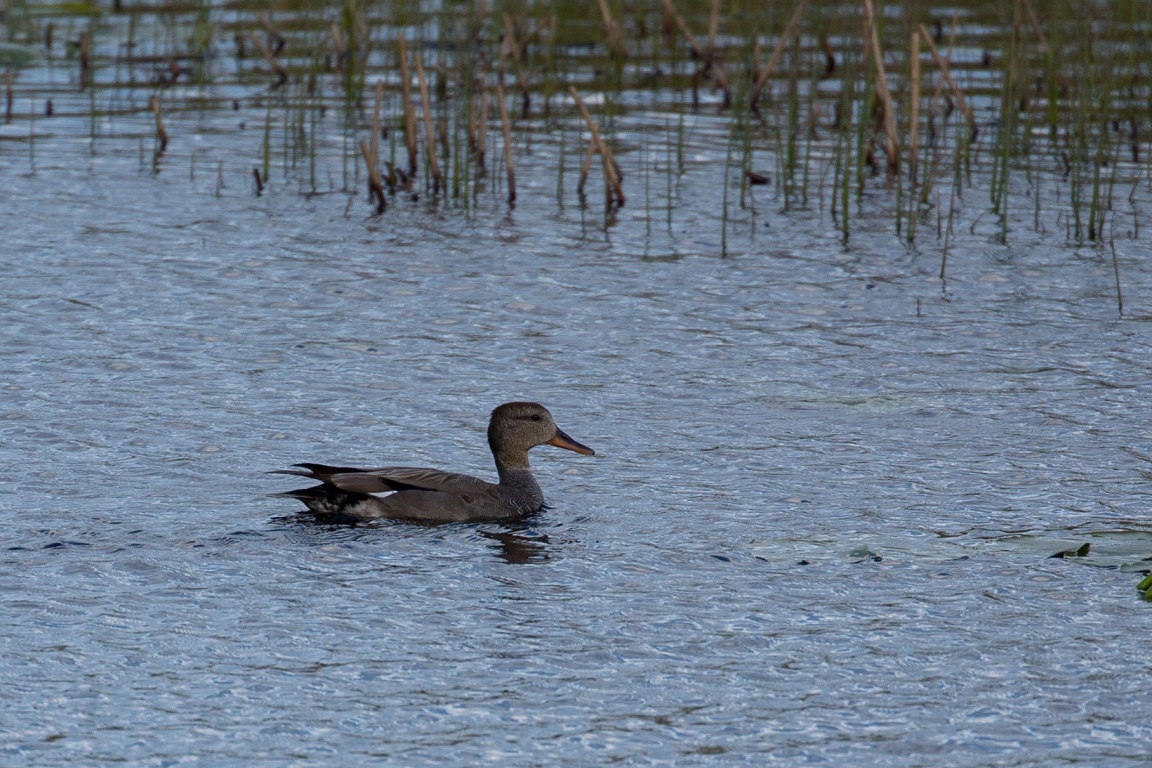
(535, 417)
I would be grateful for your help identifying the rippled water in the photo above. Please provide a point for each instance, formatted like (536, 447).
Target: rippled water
(818, 531)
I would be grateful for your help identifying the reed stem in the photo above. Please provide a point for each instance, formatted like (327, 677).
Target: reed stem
(774, 60)
(945, 71)
(613, 189)
(882, 93)
(161, 132)
(410, 140)
(429, 132)
(506, 125)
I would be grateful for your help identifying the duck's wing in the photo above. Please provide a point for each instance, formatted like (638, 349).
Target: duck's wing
(387, 479)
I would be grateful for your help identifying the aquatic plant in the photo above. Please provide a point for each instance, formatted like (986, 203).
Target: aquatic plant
(860, 107)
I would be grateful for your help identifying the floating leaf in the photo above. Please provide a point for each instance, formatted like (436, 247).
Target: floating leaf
(1081, 551)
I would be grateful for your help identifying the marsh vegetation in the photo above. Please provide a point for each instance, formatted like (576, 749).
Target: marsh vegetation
(1027, 115)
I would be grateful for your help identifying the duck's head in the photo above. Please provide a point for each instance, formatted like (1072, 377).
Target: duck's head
(518, 427)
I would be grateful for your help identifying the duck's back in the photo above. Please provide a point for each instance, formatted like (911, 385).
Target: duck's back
(414, 493)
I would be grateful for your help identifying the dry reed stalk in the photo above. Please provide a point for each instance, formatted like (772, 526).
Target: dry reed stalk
(941, 83)
(375, 185)
(615, 36)
(893, 148)
(473, 114)
(586, 167)
(616, 170)
(409, 110)
(338, 43)
(713, 26)
(479, 18)
(829, 55)
(430, 134)
(589, 156)
(174, 69)
(513, 50)
(763, 75)
(506, 126)
(277, 67)
(613, 190)
(361, 30)
(682, 25)
(84, 60)
(1036, 27)
(442, 134)
(544, 29)
(376, 121)
(161, 133)
(359, 43)
(914, 98)
(720, 75)
(667, 31)
(263, 21)
(714, 64)
(955, 89)
(480, 136)
(710, 63)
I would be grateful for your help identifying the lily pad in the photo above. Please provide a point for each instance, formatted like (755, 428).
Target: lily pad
(1127, 550)
(1081, 551)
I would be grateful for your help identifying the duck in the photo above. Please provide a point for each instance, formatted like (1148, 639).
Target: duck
(435, 496)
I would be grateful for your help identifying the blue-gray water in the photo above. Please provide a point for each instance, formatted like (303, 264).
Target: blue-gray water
(818, 530)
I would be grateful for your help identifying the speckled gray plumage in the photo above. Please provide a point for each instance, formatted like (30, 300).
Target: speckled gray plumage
(432, 495)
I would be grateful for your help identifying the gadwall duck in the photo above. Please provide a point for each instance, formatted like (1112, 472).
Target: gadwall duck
(435, 496)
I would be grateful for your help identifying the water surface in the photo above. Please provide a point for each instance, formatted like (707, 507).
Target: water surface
(818, 529)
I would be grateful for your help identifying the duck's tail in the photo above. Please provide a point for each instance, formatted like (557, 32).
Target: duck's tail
(326, 501)
(321, 472)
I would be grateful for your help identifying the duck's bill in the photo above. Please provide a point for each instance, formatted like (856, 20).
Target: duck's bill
(563, 441)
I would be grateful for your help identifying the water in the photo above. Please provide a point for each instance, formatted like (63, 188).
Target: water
(818, 531)
(752, 414)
